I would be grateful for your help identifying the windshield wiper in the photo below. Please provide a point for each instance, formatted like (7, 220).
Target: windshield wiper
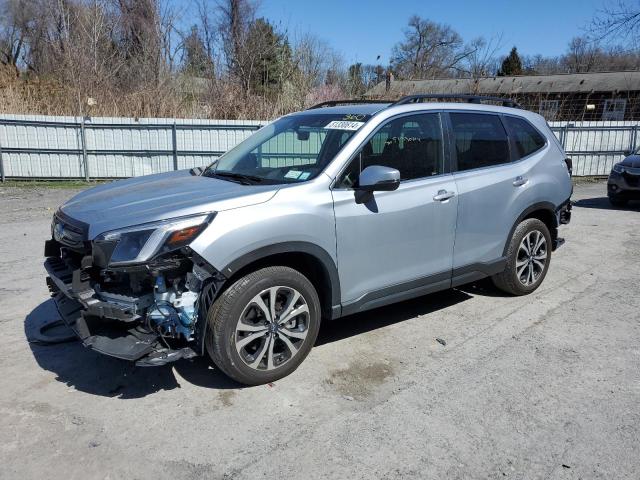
(241, 177)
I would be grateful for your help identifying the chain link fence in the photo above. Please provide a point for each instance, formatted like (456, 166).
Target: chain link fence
(596, 130)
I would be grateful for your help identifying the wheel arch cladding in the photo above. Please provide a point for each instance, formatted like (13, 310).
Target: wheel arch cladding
(309, 259)
(543, 211)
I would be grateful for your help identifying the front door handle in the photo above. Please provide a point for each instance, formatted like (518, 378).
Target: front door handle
(520, 181)
(443, 196)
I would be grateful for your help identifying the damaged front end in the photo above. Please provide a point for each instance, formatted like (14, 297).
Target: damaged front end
(140, 293)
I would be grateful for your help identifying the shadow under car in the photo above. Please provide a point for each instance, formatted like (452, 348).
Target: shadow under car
(97, 374)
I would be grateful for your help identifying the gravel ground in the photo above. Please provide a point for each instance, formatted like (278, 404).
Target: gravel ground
(544, 386)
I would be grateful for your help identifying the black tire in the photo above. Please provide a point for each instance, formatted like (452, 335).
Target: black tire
(617, 201)
(224, 317)
(509, 280)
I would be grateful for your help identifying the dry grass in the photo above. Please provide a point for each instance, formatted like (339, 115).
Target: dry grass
(172, 97)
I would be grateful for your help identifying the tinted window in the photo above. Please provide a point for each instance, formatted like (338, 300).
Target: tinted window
(480, 140)
(412, 144)
(525, 138)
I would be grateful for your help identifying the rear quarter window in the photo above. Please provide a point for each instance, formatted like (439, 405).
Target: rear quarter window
(526, 139)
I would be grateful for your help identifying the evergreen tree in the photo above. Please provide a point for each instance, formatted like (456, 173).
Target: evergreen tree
(356, 83)
(266, 59)
(196, 60)
(511, 65)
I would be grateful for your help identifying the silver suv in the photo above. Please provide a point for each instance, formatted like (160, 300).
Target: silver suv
(338, 209)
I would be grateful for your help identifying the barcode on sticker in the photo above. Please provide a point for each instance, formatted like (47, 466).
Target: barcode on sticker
(343, 125)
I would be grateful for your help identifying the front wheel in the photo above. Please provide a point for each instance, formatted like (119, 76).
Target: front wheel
(528, 258)
(263, 326)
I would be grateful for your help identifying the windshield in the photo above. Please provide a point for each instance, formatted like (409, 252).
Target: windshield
(289, 150)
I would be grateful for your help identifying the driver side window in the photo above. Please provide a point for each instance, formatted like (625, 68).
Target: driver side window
(411, 144)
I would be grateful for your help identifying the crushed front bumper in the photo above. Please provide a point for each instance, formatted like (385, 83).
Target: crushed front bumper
(104, 327)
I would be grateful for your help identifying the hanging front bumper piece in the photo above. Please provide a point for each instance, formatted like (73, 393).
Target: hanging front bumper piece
(122, 325)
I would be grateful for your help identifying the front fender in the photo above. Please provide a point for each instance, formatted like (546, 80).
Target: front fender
(291, 247)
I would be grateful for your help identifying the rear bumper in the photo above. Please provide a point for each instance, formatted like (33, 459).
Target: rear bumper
(563, 217)
(563, 212)
(102, 326)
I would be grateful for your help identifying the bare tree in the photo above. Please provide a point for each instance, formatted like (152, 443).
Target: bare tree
(235, 17)
(541, 65)
(317, 73)
(140, 40)
(15, 17)
(582, 55)
(209, 34)
(429, 50)
(617, 23)
(482, 59)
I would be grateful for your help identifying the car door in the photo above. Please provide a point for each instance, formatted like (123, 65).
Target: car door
(398, 244)
(490, 191)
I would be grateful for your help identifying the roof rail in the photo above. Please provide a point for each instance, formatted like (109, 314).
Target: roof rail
(333, 103)
(506, 102)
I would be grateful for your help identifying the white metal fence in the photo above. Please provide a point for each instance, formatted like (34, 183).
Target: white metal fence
(594, 146)
(70, 147)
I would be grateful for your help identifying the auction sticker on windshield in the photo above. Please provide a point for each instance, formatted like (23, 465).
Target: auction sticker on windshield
(293, 174)
(343, 125)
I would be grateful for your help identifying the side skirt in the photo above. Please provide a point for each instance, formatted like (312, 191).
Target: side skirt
(477, 271)
(398, 293)
(422, 286)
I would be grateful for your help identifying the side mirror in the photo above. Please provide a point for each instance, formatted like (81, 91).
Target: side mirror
(627, 153)
(377, 178)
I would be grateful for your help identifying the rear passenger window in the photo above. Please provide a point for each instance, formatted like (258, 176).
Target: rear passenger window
(525, 138)
(480, 140)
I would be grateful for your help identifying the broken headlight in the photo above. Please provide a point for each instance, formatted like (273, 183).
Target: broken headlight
(140, 243)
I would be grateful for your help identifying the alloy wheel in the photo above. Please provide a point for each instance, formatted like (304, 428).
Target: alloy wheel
(532, 258)
(272, 327)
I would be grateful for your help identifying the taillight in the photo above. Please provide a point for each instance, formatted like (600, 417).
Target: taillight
(569, 164)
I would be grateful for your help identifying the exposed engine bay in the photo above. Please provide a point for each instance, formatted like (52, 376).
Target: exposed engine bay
(150, 312)
(164, 298)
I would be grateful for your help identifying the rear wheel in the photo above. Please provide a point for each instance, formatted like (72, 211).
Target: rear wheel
(528, 258)
(263, 326)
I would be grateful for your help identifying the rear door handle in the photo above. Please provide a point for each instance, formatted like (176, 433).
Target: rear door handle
(443, 196)
(520, 181)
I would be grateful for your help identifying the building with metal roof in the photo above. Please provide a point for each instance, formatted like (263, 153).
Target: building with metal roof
(577, 96)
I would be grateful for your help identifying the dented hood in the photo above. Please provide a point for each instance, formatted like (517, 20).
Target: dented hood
(151, 198)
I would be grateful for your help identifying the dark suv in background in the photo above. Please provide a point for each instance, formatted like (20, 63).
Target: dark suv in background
(624, 180)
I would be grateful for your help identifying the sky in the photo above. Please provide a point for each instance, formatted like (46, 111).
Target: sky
(363, 29)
